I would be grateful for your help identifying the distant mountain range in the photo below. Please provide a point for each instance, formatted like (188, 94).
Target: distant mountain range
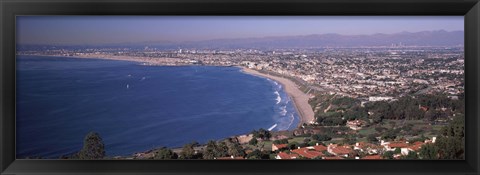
(424, 38)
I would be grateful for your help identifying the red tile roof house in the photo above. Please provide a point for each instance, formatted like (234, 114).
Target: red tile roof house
(229, 158)
(319, 148)
(394, 145)
(355, 124)
(308, 152)
(276, 147)
(416, 146)
(368, 148)
(372, 157)
(337, 150)
(332, 158)
(283, 155)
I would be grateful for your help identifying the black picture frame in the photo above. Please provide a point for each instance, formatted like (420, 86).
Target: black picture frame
(470, 9)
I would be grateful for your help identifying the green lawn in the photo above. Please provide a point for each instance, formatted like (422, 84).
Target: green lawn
(297, 139)
(267, 145)
(428, 130)
(367, 131)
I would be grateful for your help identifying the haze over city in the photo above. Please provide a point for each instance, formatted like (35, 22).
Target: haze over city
(91, 30)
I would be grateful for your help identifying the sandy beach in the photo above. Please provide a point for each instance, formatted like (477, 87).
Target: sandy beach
(143, 60)
(299, 98)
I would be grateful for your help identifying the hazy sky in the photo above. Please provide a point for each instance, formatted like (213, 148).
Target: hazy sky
(119, 29)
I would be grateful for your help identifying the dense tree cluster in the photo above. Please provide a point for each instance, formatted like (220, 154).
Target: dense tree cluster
(428, 107)
(321, 137)
(165, 153)
(450, 145)
(214, 150)
(93, 147)
(253, 141)
(336, 111)
(261, 134)
(235, 149)
(188, 151)
(222, 149)
(281, 141)
(257, 154)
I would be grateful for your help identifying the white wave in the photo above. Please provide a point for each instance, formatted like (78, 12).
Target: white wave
(284, 110)
(284, 123)
(270, 129)
(292, 118)
(288, 100)
(143, 78)
(279, 99)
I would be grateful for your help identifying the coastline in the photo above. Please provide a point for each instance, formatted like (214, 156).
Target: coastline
(300, 99)
(147, 61)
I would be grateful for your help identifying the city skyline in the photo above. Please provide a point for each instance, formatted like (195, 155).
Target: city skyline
(91, 30)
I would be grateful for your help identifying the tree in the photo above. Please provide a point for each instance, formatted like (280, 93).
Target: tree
(234, 149)
(372, 138)
(209, 151)
(188, 151)
(388, 155)
(257, 154)
(214, 150)
(334, 121)
(421, 138)
(321, 137)
(413, 113)
(411, 155)
(397, 151)
(293, 145)
(377, 118)
(221, 150)
(311, 143)
(165, 153)
(432, 115)
(253, 141)
(306, 140)
(281, 141)
(428, 151)
(349, 140)
(390, 135)
(320, 119)
(93, 147)
(451, 144)
(262, 134)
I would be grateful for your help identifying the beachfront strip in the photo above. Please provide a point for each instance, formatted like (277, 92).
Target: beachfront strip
(300, 99)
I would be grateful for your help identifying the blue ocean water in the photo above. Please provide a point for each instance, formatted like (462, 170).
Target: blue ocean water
(136, 108)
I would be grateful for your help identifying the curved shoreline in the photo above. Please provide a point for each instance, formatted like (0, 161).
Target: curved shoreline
(300, 99)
